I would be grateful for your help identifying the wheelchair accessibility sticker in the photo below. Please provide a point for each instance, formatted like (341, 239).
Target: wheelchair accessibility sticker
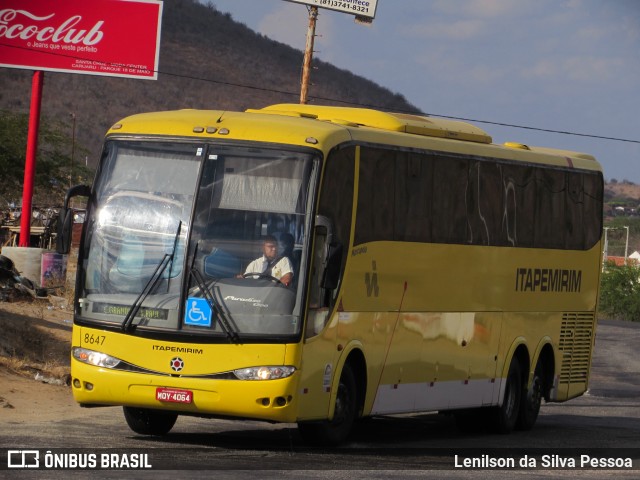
(198, 312)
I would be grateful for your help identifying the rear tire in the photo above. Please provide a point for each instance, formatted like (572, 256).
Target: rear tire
(531, 400)
(506, 415)
(335, 431)
(149, 422)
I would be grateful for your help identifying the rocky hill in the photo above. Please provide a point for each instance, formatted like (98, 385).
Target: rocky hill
(622, 191)
(207, 60)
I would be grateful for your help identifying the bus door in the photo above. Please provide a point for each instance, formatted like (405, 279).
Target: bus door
(320, 355)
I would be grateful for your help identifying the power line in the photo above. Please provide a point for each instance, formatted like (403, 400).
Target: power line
(547, 130)
(336, 100)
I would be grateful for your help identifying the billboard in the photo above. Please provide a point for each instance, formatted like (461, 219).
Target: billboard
(360, 8)
(118, 38)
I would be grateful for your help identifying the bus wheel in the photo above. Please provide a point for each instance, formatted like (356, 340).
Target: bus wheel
(506, 415)
(149, 422)
(334, 432)
(531, 400)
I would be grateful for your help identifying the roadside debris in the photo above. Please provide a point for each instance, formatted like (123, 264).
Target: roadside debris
(51, 380)
(13, 286)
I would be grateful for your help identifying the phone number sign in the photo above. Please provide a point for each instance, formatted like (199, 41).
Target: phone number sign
(100, 37)
(361, 8)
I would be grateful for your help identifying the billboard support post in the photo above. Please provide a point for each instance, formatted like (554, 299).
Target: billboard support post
(364, 12)
(30, 163)
(308, 54)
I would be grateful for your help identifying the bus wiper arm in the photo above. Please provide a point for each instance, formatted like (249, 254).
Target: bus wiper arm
(208, 295)
(127, 323)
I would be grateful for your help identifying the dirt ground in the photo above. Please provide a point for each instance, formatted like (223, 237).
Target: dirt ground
(35, 343)
(35, 338)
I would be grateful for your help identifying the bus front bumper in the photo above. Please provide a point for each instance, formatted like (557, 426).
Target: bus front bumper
(271, 400)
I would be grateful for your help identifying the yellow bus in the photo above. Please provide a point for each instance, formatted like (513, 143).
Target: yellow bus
(428, 270)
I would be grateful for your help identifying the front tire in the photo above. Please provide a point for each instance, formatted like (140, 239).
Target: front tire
(149, 422)
(335, 431)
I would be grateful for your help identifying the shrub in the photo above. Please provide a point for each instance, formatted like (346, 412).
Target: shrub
(620, 292)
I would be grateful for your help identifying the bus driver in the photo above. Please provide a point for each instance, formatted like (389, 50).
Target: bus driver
(278, 266)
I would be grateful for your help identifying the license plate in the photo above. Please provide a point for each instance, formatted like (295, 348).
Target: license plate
(174, 395)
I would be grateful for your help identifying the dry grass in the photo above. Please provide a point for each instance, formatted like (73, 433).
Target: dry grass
(36, 333)
(48, 372)
(35, 341)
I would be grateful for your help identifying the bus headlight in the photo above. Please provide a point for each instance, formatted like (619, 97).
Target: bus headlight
(264, 373)
(92, 357)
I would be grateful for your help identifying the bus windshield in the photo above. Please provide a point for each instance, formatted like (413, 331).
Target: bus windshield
(201, 239)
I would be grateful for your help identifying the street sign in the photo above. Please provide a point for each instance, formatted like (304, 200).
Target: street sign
(360, 8)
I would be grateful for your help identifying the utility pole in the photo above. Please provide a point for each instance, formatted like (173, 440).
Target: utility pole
(365, 15)
(308, 54)
(605, 252)
(626, 246)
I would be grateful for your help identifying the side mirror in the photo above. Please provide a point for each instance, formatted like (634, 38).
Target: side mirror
(65, 220)
(323, 224)
(332, 269)
(329, 252)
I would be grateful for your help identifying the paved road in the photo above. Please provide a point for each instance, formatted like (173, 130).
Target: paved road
(603, 423)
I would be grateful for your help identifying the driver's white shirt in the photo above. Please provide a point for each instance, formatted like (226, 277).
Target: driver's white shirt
(259, 265)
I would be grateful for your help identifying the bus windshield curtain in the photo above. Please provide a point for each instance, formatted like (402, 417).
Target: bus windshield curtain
(273, 194)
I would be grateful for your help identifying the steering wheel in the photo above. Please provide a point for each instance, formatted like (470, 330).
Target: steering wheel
(264, 275)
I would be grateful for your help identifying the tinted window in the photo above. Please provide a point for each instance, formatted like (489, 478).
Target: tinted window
(439, 198)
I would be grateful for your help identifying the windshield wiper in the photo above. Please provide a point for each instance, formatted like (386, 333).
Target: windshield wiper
(232, 335)
(127, 324)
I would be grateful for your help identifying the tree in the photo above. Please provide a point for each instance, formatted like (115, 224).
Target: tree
(620, 292)
(53, 160)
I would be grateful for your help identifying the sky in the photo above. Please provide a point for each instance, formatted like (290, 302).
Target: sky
(562, 65)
